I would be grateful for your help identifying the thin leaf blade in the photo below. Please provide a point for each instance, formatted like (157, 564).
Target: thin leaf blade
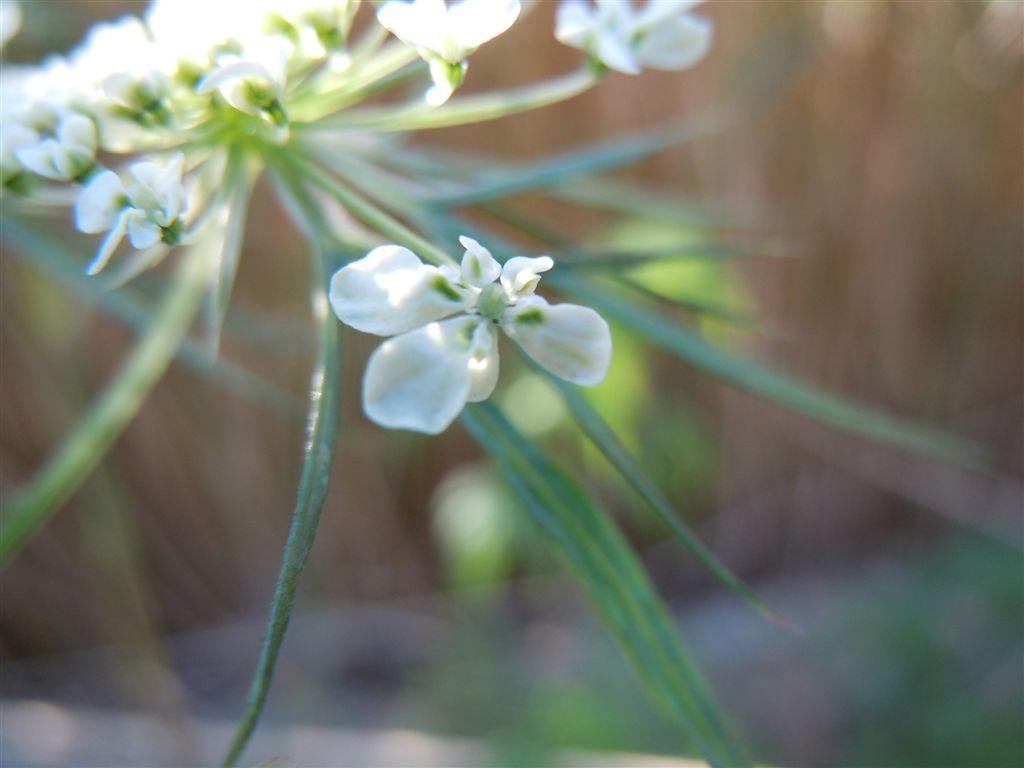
(604, 439)
(566, 167)
(780, 388)
(616, 583)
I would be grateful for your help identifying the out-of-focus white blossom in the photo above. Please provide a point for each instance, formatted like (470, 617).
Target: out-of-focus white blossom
(423, 377)
(148, 208)
(122, 46)
(254, 81)
(10, 20)
(662, 35)
(66, 155)
(322, 26)
(196, 31)
(13, 137)
(446, 35)
(138, 92)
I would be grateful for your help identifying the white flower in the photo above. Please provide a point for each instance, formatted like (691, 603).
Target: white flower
(10, 20)
(13, 137)
(138, 91)
(322, 25)
(662, 35)
(254, 81)
(121, 46)
(195, 31)
(423, 377)
(148, 209)
(445, 36)
(65, 156)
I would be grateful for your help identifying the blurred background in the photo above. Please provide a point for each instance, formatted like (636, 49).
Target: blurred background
(874, 165)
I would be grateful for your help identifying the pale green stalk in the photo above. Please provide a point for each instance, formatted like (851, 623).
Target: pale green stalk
(321, 438)
(468, 109)
(354, 84)
(371, 215)
(30, 507)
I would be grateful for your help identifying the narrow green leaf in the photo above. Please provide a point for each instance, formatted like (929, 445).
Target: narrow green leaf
(53, 258)
(370, 214)
(473, 108)
(584, 259)
(696, 306)
(562, 168)
(604, 439)
(65, 470)
(780, 388)
(603, 563)
(665, 205)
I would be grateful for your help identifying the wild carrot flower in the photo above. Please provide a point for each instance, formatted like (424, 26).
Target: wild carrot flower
(148, 209)
(422, 377)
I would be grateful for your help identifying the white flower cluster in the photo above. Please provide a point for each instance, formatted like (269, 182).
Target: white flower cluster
(422, 378)
(174, 98)
(171, 79)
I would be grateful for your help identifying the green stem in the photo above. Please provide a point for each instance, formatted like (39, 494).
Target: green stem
(371, 215)
(362, 80)
(468, 109)
(324, 400)
(29, 508)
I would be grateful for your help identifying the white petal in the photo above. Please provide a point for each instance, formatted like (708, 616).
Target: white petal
(574, 23)
(483, 365)
(99, 203)
(13, 136)
(443, 87)
(421, 379)
(77, 131)
(142, 231)
(10, 21)
(232, 72)
(520, 274)
(391, 291)
(109, 245)
(676, 43)
(618, 14)
(479, 268)
(471, 23)
(120, 87)
(572, 342)
(614, 51)
(423, 23)
(157, 189)
(42, 159)
(655, 12)
(170, 190)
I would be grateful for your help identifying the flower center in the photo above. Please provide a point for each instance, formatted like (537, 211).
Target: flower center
(492, 302)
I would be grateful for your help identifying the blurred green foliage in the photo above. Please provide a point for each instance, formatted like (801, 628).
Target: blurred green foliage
(930, 667)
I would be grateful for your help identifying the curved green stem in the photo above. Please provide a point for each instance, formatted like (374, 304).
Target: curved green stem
(324, 400)
(65, 470)
(362, 80)
(467, 109)
(371, 215)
